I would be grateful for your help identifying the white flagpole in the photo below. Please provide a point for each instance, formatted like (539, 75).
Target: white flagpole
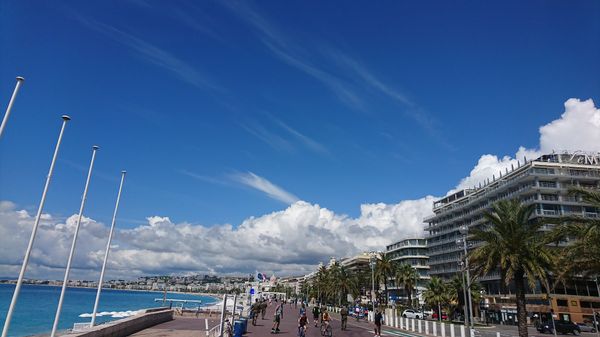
(110, 234)
(20, 81)
(13, 302)
(73, 244)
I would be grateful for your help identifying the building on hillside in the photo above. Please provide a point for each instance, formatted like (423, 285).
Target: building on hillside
(414, 253)
(544, 182)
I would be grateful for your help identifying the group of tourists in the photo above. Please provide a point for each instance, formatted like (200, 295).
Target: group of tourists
(320, 315)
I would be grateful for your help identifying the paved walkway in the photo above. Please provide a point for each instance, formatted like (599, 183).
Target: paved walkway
(180, 326)
(289, 326)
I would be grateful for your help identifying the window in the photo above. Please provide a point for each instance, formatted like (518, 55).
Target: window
(551, 184)
(562, 303)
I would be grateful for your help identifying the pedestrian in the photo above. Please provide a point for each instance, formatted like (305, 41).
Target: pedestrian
(315, 313)
(254, 310)
(357, 312)
(378, 320)
(263, 309)
(344, 317)
(277, 318)
(281, 310)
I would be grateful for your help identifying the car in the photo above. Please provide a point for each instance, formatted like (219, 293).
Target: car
(561, 327)
(435, 315)
(410, 313)
(586, 328)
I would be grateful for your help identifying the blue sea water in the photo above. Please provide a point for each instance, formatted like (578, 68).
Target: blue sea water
(36, 306)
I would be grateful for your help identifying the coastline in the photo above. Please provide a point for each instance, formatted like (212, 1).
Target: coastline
(213, 296)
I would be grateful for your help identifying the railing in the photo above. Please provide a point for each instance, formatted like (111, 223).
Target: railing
(214, 332)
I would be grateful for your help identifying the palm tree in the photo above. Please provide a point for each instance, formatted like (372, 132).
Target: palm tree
(384, 268)
(513, 243)
(435, 294)
(406, 275)
(581, 256)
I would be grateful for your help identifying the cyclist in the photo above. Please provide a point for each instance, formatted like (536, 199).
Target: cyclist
(302, 325)
(326, 320)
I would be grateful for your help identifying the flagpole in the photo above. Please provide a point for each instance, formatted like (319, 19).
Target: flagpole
(20, 81)
(110, 234)
(73, 244)
(36, 223)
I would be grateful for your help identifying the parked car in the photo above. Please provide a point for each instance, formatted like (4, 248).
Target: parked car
(561, 327)
(410, 313)
(586, 328)
(435, 315)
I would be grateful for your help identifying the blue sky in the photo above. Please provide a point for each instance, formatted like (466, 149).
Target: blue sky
(335, 103)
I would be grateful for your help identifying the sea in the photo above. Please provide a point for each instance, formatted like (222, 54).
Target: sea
(36, 307)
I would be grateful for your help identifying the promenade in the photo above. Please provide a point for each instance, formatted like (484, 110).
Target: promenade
(195, 327)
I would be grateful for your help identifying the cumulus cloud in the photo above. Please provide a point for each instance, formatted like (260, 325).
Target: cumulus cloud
(290, 241)
(286, 242)
(578, 128)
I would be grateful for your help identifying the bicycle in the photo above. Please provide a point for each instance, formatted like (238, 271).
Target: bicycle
(301, 331)
(326, 330)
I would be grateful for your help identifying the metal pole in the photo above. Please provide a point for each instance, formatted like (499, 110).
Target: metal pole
(20, 81)
(372, 282)
(74, 243)
(462, 276)
(233, 309)
(110, 234)
(468, 283)
(223, 315)
(36, 223)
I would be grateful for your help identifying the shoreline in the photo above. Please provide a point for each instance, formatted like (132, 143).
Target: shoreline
(213, 296)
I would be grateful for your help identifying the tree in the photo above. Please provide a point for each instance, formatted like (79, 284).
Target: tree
(512, 242)
(407, 276)
(384, 268)
(436, 294)
(583, 234)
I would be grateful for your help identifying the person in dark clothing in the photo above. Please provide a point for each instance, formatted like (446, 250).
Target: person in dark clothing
(344, 317)
(378, 320)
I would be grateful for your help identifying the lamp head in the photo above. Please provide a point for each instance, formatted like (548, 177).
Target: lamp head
(65, 117)
(463, 229)
(20, 78)
(95, 147)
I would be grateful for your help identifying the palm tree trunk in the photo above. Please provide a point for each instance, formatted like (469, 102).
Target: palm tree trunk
(386, 289)
(521, 303)
(408, 293)
(439, 312)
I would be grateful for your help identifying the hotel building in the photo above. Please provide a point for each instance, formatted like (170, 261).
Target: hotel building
(543, 182)
(414, 253)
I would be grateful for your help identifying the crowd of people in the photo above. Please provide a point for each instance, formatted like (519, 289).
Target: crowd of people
(321, 318)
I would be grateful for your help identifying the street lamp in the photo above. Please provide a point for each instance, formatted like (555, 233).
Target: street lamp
(372, 264)
(464, 230)
(461, 264)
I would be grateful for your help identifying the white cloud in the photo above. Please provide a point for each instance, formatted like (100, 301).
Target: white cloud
(578, 128)
(290, 241)
(259, 183)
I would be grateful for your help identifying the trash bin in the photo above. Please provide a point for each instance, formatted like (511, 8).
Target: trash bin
(244, 324)
(238, 329)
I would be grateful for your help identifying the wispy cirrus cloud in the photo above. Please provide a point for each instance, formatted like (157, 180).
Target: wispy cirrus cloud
(152, 54)
(262, 184)
(268, 137)
(307, 141)
(345, 76)
(289, 52)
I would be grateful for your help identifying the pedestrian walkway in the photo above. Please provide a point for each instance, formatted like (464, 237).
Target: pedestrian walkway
(289, 326)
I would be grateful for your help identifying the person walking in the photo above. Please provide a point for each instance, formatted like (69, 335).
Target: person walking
(263, 309)
(316, 311)
(254, 310)
(344, 317)
(277, 318)
(378, 319)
